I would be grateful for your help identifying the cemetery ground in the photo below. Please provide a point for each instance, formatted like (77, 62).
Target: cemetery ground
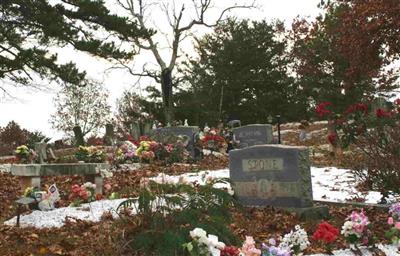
(109, 236)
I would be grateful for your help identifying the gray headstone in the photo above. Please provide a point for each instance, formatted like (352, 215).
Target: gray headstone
(41, 151)
(109, 136)
(135, 130)
(186, 131)
(274, 175)
(254, 134)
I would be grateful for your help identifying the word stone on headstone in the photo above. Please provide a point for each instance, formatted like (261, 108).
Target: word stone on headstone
(254, 134)
(274, 175)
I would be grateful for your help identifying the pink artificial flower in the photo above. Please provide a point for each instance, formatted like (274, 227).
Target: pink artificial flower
(249, 248)
(397, 225)
(107, 186)
(390, 221)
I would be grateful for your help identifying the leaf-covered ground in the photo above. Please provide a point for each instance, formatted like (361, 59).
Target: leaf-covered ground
(107, 236)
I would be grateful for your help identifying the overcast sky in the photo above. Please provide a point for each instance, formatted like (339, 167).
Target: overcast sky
(32, 109)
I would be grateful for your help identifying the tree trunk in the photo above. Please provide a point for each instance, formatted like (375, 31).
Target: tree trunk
(166, 86)
(79, 140)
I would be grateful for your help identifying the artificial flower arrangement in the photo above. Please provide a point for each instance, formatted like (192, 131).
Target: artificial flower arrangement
(326, 234)
(202, 244)
(126, 153)
(296, 241)
(90, 154)
(210, 139)
(356, 230)
(145, 151)
(293, 243)
(272, 249)
(83, 193)
(394, 222)
(23, 154)
(45, 200)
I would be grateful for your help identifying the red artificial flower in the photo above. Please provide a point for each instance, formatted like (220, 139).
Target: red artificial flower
(332, 138)
(130, 138)
(381, 113)
(144, 138)
(321, 109)
(230, 251)
(326, 233)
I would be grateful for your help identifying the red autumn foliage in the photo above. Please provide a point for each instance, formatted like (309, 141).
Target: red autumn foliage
(381, 113)
(322, 110)
(332, 138)
(363, 108)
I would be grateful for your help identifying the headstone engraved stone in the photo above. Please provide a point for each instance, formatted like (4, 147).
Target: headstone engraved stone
(135, 130)
(41, 151)
(109, 136)
(273, 175)
(255, 134)
(187, 132)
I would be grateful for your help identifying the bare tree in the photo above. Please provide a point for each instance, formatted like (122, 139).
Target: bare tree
(180, 23)
(84, 106)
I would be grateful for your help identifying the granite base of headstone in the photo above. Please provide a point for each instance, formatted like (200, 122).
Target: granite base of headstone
(274, 175)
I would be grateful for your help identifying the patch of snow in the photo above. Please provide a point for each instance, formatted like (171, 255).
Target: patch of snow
(6, 168)
(56, 218)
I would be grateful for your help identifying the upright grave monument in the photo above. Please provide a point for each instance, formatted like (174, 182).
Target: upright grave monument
(274, 175)
(187, 132)
(254, 134)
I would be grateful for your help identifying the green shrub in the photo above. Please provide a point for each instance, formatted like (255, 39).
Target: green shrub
(167, 213)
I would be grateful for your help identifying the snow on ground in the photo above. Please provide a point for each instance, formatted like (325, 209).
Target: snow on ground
(55, 218)
(329, 184)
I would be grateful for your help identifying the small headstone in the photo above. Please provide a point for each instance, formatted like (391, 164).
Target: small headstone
(274, 175)
(147, 127)
(41, 151)
(135, 130)
(187, 132)
(109, 136)
(234, 123)
(255, 134)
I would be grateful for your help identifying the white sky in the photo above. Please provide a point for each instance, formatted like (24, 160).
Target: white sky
(32, 109)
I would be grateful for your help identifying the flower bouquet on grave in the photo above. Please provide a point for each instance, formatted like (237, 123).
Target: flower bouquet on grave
(212, 141)
(357, 230)
(90, 154)
(24, 154)
(393, 234)
(144, 151)
(82, 194)
(202, 244)
(126, 153)
(296, 241)
(326, 234)
(272, 249)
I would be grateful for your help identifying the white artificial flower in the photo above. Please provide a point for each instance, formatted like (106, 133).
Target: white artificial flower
(231, 191)
(198, 233)
(213, 241)
(89, 185)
